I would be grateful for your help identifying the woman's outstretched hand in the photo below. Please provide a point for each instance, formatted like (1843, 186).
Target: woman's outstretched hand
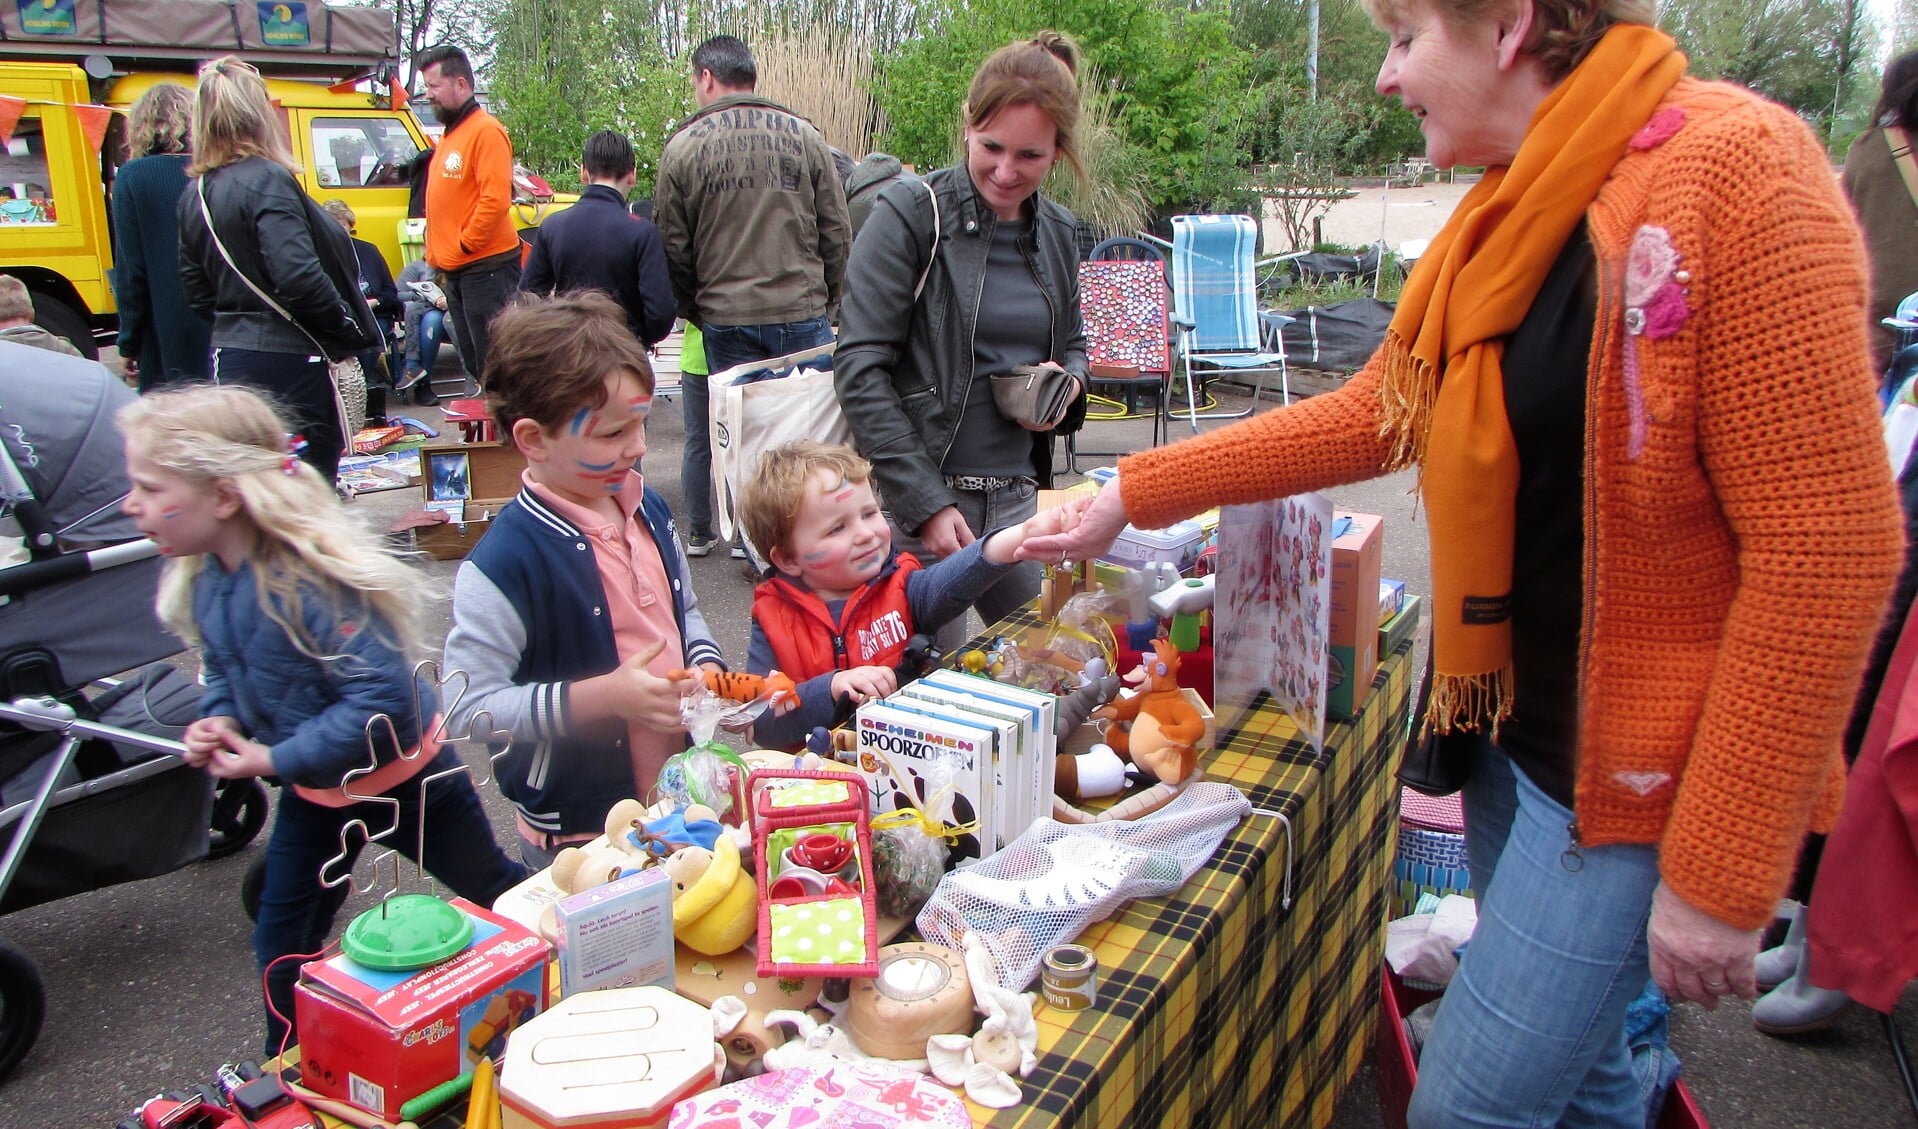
(1097, 525)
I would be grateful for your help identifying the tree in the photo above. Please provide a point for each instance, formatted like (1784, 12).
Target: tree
(1802, 53)
(564, 69)
(1176, 79)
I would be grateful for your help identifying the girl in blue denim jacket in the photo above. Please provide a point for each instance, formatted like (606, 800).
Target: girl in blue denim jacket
(306, 627)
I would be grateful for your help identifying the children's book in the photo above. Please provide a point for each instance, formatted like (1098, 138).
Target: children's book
(1044, 709)
(898, 749)
(1011, 751)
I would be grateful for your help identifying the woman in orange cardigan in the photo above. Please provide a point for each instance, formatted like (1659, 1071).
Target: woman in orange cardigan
(1633, 373)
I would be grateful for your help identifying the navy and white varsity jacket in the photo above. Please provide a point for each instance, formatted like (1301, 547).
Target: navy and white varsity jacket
(530, 619)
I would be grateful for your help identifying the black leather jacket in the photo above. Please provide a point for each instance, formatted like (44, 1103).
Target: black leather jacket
(289, 247)
(903, 366)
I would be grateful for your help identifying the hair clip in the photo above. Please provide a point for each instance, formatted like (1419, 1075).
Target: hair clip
(295, 445)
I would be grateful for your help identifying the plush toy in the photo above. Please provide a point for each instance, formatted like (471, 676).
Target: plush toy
(634, 840)
(715, 902)
(1157, 728)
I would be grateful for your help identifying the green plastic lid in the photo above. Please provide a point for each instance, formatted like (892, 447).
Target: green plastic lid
(406, 932)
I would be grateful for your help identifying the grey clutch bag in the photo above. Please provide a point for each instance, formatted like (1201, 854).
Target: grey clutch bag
(1033, 395)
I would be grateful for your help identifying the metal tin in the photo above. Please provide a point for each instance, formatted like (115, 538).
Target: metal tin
(1069, 977)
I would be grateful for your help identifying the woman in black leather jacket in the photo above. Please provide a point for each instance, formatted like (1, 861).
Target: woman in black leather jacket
(930, 315)
(284, 295)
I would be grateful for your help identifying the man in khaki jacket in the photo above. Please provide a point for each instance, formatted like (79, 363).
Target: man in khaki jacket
(753, 216)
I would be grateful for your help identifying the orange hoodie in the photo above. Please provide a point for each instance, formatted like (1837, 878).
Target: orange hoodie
(469, 194)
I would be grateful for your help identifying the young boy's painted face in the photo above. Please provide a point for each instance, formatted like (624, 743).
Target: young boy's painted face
(587, 456)
(839, 540)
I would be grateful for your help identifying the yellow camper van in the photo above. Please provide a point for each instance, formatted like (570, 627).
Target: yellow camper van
(329, 71)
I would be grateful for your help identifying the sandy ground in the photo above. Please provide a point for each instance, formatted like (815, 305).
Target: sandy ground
(1393, 214)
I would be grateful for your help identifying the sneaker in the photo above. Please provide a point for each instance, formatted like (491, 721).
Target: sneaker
(699, 546)
(739, 551)
(424, 396)
(413, 376)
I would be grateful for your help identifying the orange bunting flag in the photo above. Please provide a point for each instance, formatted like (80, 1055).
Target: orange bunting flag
(93, 123)
(10, 110)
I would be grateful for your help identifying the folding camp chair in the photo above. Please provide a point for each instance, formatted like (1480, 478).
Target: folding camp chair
(1215, 300)
(1123, 302)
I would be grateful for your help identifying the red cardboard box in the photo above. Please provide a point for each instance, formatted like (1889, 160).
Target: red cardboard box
(1356, 559)
(1396, 1066)
(379, 1039)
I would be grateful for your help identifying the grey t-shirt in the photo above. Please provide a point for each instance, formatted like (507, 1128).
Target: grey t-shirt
(1014, 328)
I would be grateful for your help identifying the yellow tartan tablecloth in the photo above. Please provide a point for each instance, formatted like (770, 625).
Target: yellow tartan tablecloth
(1219, 1007)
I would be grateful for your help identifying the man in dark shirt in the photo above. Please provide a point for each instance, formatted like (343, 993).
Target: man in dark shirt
(598, 245)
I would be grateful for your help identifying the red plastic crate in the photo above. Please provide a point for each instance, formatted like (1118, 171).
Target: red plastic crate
(1397, 1070)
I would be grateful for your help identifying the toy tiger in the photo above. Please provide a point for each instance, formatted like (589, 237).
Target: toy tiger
(738, 686)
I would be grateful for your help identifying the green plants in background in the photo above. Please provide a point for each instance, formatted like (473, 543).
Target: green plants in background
(1175, 79)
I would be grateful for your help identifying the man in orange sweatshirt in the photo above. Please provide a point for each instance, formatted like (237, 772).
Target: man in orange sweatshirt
(470, 237)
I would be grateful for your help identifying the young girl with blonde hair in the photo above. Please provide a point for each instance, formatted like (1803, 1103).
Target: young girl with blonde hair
(307, 629)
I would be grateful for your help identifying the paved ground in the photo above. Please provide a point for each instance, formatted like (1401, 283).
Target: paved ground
(151, 985)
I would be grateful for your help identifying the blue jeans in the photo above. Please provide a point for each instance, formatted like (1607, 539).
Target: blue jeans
(425, 332)
(727, 346)
(985, 511)
(1532, 1029)
(302, 390)
(296, 912)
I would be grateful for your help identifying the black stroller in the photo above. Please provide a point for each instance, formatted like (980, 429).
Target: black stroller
(92, 792)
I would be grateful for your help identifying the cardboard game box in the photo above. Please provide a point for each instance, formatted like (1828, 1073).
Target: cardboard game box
(1357, 554)
(619, 935)
(378, 1039)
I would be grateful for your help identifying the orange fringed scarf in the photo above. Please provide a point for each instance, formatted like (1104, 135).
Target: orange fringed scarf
(1443, 386)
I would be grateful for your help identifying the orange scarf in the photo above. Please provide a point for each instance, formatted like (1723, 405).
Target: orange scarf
(1443, 387)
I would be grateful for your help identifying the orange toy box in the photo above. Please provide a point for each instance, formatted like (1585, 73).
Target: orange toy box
(1358, 550)
(379, 1039)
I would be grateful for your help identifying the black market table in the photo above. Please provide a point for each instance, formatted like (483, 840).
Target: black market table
(1219, 1006)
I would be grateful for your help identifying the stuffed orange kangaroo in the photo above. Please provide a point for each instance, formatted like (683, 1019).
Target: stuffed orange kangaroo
(1157, 728)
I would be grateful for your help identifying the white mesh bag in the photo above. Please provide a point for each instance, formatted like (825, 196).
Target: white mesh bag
(1043, 888)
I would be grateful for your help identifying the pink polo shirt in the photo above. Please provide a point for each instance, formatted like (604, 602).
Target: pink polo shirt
(639, 600)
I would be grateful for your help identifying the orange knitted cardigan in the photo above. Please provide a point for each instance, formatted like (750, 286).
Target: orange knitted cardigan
(1741, 528)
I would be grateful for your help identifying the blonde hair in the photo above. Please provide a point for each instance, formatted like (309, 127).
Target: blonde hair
(769, 506)
(304, 544)
(1040, 72)
(1563, 31)
(161, 121)
(234, 118)
(341, 211)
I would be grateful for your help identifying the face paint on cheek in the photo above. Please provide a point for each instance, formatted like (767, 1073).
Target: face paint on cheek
(596, 468)
(817, 558)
(172, 512)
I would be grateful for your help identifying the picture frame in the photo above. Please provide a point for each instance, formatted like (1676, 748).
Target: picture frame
(449, 476)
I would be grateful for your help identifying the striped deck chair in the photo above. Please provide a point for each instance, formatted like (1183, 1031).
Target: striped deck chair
(1215, 301)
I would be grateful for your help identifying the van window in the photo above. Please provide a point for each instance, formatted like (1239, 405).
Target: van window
(361, 152)
(24, 183)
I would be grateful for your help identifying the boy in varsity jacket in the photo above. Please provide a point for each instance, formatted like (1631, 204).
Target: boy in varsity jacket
(576, 610)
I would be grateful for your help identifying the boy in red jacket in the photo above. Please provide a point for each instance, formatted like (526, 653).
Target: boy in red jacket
(838, 605)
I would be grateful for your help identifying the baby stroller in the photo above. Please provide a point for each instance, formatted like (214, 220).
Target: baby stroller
(84, 802)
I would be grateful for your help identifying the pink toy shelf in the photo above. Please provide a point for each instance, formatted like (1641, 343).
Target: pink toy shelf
(812, 846)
